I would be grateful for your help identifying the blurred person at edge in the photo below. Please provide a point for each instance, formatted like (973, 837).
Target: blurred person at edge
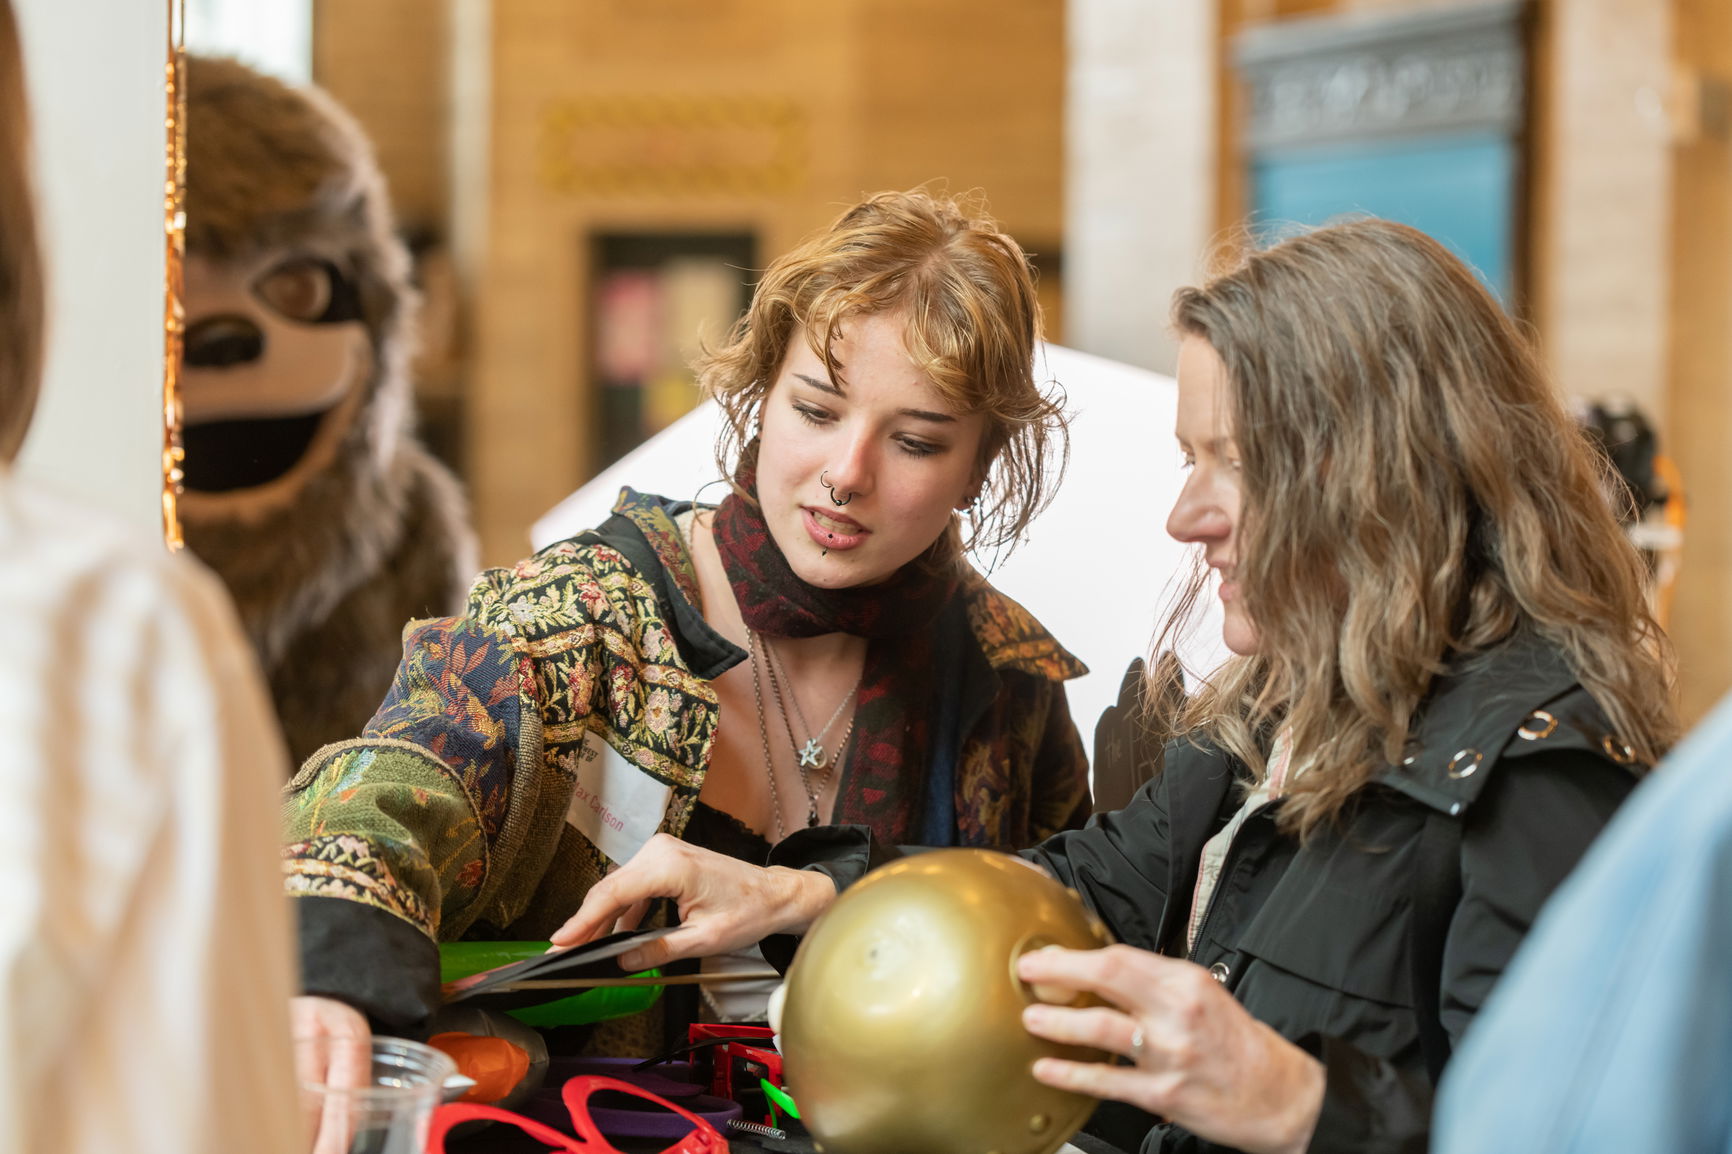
(816, 647)
(145, 960)
(1446, 680)
(1612, 1031)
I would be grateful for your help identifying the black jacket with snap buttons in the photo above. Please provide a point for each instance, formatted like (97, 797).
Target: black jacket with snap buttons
(1375, 942)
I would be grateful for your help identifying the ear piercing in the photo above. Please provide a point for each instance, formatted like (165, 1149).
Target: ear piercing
(824, 480)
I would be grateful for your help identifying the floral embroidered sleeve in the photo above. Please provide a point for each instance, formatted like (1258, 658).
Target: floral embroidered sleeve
(413, 823)
(403, 817)
(450, 809)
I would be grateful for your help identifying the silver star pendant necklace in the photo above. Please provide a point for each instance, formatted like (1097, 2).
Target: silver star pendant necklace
(811, 753)
(809, 756)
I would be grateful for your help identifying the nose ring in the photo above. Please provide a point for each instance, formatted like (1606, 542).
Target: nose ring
(823, 479)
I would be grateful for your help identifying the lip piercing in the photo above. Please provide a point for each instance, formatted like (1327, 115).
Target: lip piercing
(823, 479)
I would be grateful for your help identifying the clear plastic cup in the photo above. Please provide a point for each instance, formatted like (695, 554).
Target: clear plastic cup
(373, 1096)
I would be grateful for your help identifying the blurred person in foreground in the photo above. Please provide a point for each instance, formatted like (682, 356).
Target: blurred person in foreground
(1613, 1030)
(144, 953)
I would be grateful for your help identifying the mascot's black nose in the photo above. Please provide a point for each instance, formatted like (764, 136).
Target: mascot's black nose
(219, 342)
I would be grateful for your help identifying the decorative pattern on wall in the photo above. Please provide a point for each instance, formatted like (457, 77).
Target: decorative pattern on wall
(1415, 116)
(674, 145)
(1323, 80)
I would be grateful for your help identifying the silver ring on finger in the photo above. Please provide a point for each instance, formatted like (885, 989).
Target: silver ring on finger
(1137, 1046)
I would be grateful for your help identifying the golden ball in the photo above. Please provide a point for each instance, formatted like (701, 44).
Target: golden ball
(902, 1025)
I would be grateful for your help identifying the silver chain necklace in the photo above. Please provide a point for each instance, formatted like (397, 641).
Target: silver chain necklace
(811, 753)
(764, 733)
(812, 789)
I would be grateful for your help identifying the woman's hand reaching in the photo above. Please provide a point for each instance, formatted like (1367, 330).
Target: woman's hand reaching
(1199, 1058)
(724, 903)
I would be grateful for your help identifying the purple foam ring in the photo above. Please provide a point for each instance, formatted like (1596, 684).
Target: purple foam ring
(645, 1120)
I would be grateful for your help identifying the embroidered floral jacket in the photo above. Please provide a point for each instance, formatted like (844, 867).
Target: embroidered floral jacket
(448, 817)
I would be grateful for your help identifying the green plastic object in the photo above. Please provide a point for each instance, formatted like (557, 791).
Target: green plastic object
(460, 959)
(780, 1098)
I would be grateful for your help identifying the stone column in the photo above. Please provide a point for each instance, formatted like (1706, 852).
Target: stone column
(1602, 204)
(1141, 131)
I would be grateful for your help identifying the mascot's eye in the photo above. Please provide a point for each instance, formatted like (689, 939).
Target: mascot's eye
(299, 289)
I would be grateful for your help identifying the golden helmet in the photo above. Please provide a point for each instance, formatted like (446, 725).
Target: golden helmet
(901, 1021)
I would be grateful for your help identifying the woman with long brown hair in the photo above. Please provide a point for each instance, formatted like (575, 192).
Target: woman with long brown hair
(1445, 680)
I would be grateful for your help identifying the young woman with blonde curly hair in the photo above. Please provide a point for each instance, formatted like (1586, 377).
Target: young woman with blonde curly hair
(1445, 680)
(816, 648)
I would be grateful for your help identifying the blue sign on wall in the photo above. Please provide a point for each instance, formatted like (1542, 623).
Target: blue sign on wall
(1460, 188)
(1415, 116)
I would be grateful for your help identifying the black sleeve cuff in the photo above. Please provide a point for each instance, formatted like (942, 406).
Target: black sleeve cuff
(843, 853)
(380, 964)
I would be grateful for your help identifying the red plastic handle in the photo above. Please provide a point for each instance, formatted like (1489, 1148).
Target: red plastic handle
(703, 1139)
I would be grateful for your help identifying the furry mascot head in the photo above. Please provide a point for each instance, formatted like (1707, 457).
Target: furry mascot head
(305, 489)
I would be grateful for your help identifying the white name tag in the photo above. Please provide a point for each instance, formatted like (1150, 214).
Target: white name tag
(615, 804)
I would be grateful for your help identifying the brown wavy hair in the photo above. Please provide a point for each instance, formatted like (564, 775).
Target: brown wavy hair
(969, 294)
(1414, 493)
(21, 307)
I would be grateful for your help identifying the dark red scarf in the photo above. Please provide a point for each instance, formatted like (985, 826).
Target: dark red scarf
(884, 768)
